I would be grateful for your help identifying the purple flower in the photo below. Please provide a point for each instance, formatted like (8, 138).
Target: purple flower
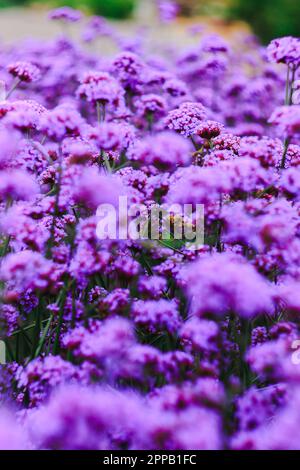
(233, 290)
(12, 434)
(227, 142)
(8, 319)
(150, 105)
(267, 151)
(156, 316)
(165, 150)
(8, 146)
(96, 27)
(101, 87)
(209, 129)
(287, 119)
(22, 229)
(152, 286)
(168, 10)
(106, 343)
(29, 270)
(206, 186)
(116, 302)
(200, 335)
(175, 88)
(129, 69)
(79, 151)
(60, 122)
(257, 406)
(124, 344)
(272, 360)
(111, 136)
(17, 184)
(66, 14)
(93, 188)
(214, 43)
(41, 376)
(289, 183)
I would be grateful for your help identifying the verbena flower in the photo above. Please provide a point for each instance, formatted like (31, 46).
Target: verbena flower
(186, 118)
(101, 87)
(236, 282)
(285, 50)
(24, 71)
(123, 344)
(165, 150)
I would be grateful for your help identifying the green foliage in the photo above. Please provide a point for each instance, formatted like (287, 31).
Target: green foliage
(269, 18)
(112, 8)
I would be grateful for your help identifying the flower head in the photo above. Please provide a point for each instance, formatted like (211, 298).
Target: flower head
(101, 87)
(285, 50)
(24, 71)
(186, 119)
(66, 14)
(233, 290)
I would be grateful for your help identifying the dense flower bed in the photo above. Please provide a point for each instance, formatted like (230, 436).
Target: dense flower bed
(134, 344)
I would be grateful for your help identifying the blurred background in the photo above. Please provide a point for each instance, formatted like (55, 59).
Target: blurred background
(268, 18)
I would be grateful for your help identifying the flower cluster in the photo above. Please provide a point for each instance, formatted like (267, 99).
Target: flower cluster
(149, 343)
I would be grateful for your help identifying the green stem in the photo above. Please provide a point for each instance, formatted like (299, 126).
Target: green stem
(55, 214)
(4, 247)
(287, 86)
(106, 161)
(285, 151)
(288, 102)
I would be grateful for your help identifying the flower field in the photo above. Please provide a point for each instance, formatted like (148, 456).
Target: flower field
(149, 342)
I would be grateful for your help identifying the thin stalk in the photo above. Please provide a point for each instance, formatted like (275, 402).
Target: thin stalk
(26, 328)
(37, 330)
(286, 144)
(288, 102)
(194, 143)
(4, 247)
(55, 213)
(150, 120)
(106, 161)
(161, 242)
(98, 112)
(287, 86)
(14, 86)
(101, 112)
(290, 98)
(62, 301)
(43, 337)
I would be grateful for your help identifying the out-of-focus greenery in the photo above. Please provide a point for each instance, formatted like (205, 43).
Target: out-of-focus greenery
(10, 3)
(269, 18)
(109, 8)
